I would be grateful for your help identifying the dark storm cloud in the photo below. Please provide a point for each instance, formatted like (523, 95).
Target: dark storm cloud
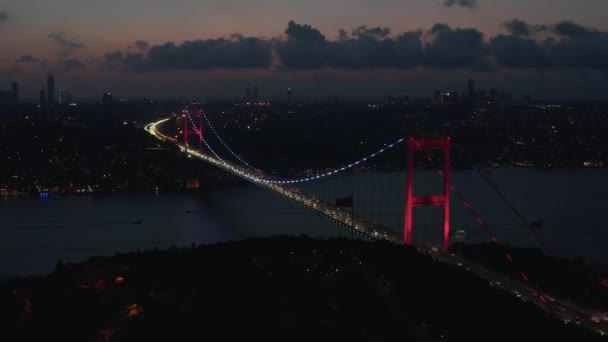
(27, 59)
(518, 27)
(582, 52)
(565, 28)
(518, 52)
(367, 49)
(455, 48)
(580, 47)
(142, 44)
(572, 29)
(3, 16)
(378, 32)
(71, 64)
(521, 28)
(67, 45)
(307, 48)
(570, 45)
(463, 3)
(236, 52)
(304, 47)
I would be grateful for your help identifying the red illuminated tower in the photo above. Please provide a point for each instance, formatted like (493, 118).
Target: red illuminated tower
(441, 144)
(188, 115)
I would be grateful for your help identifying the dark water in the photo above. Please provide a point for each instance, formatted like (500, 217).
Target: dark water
(35, 233)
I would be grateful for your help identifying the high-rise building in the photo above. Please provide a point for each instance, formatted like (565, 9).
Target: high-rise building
(256, 94)
(289, 96)
(471, 91)
(248, 95)
(60, 97)
(15, 92)
(50, 89)
(106, 98)
(42, 97)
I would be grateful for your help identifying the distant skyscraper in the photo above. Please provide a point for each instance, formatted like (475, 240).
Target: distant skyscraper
(106, 98)
(50, 89)
(256, 94)
(69, 99)
(42, 97)
(15, 91)
(248, 95)
(289, 96)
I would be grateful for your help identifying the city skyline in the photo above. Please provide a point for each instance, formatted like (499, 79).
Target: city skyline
(375, 49)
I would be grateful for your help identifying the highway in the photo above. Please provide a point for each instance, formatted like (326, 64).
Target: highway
(566, 311)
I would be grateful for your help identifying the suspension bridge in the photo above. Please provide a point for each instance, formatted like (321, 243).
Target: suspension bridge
(197, 124)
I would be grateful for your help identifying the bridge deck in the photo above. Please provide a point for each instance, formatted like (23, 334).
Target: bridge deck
(358, 224)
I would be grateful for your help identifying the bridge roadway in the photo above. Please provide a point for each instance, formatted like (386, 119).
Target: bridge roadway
(565, 310)
(361, 226)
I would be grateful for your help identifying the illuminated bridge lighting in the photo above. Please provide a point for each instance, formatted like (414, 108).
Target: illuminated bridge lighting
(284, 181)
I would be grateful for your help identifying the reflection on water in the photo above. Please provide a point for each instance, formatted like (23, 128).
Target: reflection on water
(34, 233)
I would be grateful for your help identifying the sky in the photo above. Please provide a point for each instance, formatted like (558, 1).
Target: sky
(550, 49)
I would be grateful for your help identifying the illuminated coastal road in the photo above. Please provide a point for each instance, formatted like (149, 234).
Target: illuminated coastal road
(566, 311)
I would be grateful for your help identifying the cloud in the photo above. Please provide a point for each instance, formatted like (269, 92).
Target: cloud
(463, 3)
(68, 45)
(27, 59)
(564, 45)
(455, 48)
(304, 48)
(142, 44)
(582, 51)
(518, 27)
(236, 52)
(571, 29)
(573, 46)
(373, 49)
(304, 33)
(517, 52)
(71, 64)
(377, 32)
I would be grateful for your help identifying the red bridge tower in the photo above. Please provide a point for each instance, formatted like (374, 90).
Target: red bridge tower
(188, 114)
(441, 144)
